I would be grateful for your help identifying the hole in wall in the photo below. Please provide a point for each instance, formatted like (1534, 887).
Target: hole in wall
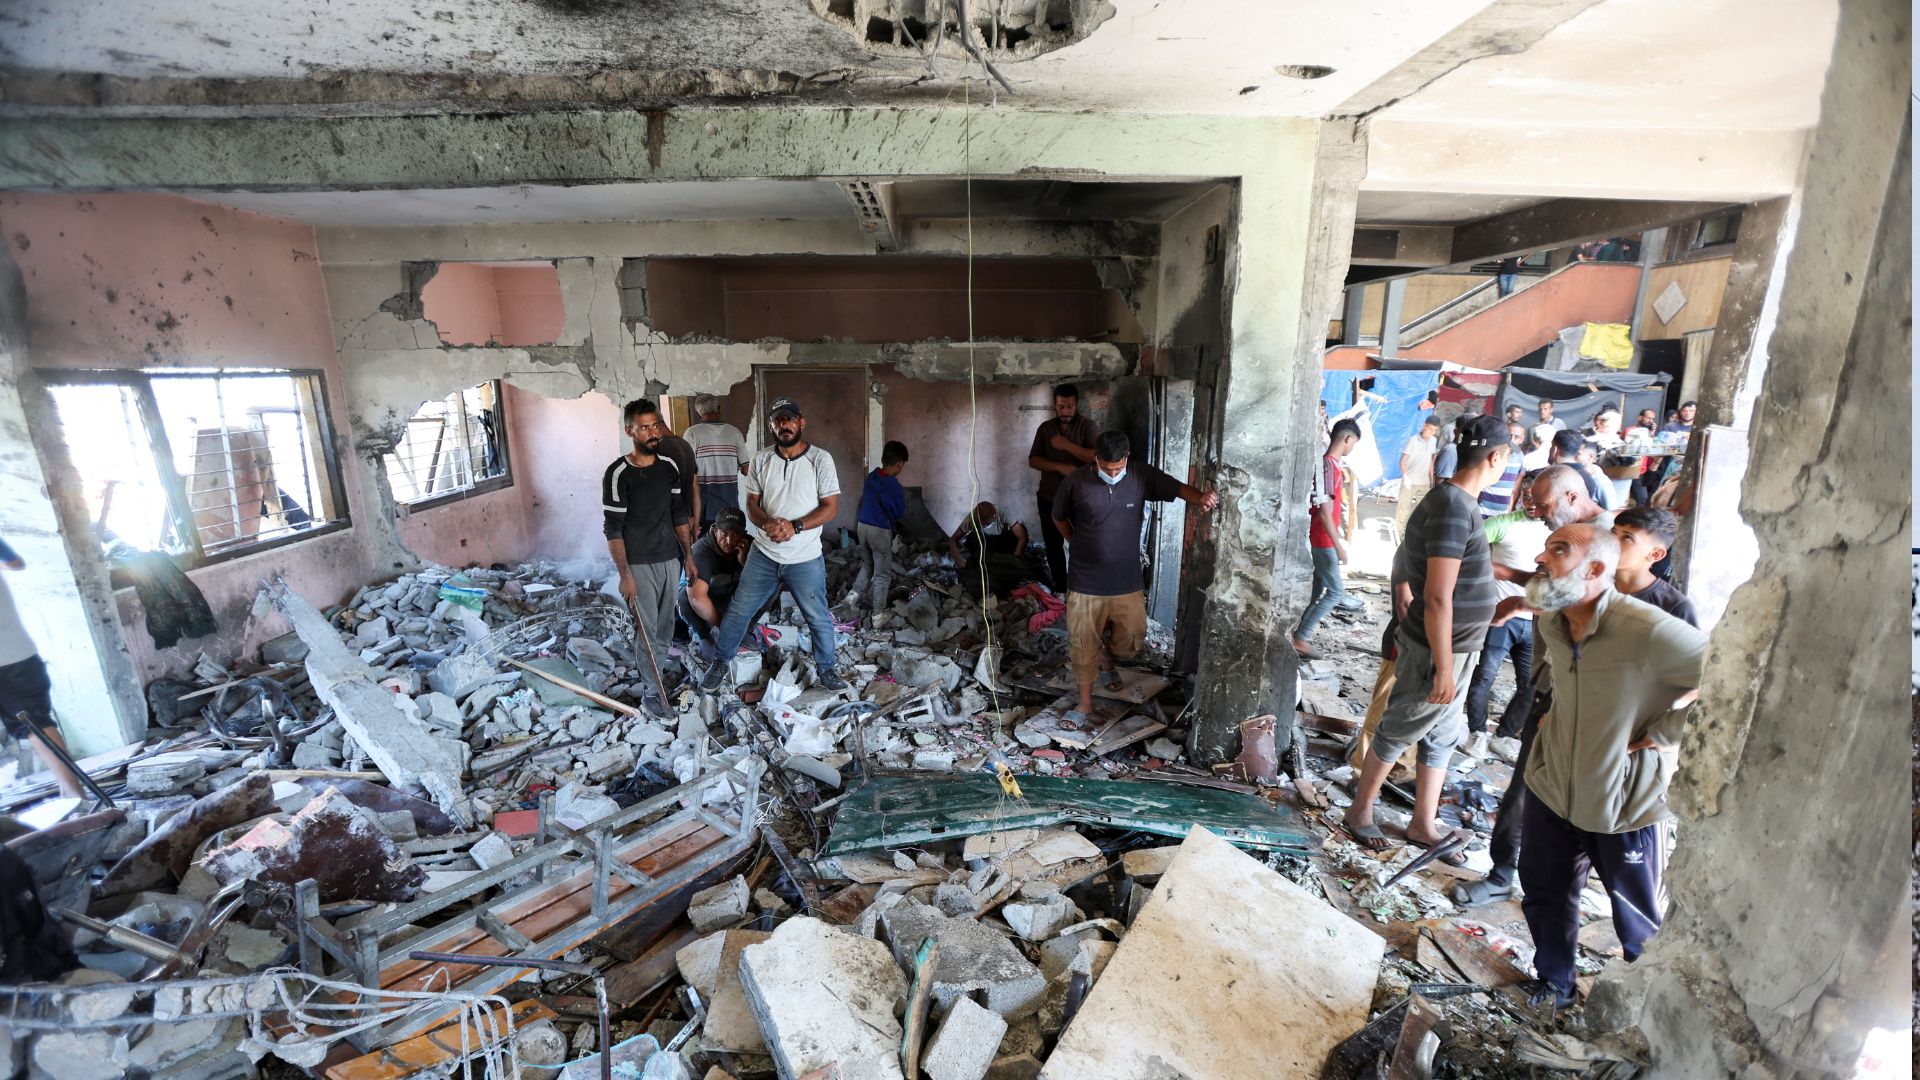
(1008, 30)
(495, 303)
(1303, 71)
(879, 31)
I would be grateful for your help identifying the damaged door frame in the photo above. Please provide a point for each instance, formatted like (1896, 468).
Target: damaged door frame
(361, 952)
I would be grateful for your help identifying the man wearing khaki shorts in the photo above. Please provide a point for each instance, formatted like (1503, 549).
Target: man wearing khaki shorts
(1099, 510)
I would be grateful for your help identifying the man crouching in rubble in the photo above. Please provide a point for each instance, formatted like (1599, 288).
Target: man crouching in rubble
(792, 491)
(1624, 673)
(706, 591)
(1100, 509)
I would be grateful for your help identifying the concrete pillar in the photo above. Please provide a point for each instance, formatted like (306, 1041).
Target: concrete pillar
(1653, 243)
(1355, 310)
(1788, 934)
(1261, 569)
(1392, 314)
(64, 596)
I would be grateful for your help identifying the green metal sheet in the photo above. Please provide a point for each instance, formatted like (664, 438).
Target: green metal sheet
(902, 811)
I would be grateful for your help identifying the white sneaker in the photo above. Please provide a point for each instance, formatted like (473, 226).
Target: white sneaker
(1504, 748)
(1476, 746)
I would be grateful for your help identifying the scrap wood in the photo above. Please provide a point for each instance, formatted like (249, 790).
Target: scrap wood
(634, 979)
(1123, 733)
(598, 699)
(894, 812)
(1330, 725)
(433, 1049)
(919, 999)
(1473, 957)
(1136, 687)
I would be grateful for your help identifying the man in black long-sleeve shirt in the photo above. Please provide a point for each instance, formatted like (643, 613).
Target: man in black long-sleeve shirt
(648, 524)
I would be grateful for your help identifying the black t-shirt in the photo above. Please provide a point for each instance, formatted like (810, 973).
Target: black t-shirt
(1103, 558)
(1081, 430)
(643, 505)
(718, 569)
(1670, 600)
(1446, 525)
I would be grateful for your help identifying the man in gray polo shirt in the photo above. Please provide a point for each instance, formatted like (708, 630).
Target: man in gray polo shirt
(1443, 590)
(792, 491)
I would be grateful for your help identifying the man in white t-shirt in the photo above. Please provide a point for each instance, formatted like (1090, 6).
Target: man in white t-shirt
(26, 699)
(792, 492)
(1416, 472)
(719, 456)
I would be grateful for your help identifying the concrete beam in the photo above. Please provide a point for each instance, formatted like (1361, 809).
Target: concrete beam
(1566, 221)
(1412, 245)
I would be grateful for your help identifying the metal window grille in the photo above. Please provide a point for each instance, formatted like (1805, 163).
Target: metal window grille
(204, 465)
(450, 446)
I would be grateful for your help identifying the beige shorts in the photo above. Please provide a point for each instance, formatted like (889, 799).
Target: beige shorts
(1121, 621)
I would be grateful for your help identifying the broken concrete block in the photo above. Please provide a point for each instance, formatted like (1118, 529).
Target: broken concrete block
(1164, 749)
(973, 960)
(1180, 998)
(332, 841)
(954, 899)
(769, 901)
(933, 760)
(1038, 920)
(407, 751)
(987, 845)
(94, 1055)
(165, 1045)
(825, 997)
(719, 907)
(398, 824)
(1147, 864)
(576, 807)
(311, 755)
(164, 774)
(458, 676)
(441, 711)
(966, 1044)
(1057, 954)
(245, 949)
(492, 850)
(699, 963)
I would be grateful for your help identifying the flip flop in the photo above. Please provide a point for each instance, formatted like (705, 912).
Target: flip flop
(1484, 891)
(1457, 857)
(1367, 836)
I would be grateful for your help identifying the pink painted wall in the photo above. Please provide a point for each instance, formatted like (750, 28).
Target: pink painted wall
(562, 447)
(139, 281)
(531, 312)
(460, 302)
(934, 420)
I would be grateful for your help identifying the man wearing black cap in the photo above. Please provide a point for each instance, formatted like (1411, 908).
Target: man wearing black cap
(1443, 597)
(792, 491)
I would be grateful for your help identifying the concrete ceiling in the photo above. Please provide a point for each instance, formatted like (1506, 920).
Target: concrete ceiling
(718, 200)
(1429, 208)
(1046, 200)
(1164, 56)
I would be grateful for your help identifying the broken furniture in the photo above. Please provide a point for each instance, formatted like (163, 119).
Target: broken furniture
(552, 909)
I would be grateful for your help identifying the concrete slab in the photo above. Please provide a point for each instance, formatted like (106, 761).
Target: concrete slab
(719, 907)
(731, 1026)
(1231, 972)
(826, 997)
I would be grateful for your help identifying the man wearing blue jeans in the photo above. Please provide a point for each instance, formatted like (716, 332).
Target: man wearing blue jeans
(792, 491)
(1324, 536)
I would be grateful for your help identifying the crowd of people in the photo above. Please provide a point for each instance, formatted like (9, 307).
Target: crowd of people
(701, 533)
(1514, 546)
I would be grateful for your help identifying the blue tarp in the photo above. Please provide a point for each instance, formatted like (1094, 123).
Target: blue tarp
(1393, 406)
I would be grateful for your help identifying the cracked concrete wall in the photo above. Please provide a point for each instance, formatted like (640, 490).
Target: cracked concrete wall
(1787, 938)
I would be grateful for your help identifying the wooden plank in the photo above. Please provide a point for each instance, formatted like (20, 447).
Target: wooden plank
(629, 982)
(429, 1050)
(1475, 960)
(1136, 686)
(1128, 731)
(1230, 971)
(601, 700)
(1053, 723)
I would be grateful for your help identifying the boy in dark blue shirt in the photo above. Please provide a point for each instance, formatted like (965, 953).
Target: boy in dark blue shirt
(883, 502)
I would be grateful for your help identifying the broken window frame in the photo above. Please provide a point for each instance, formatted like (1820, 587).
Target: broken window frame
(316, 422)
(473, 486)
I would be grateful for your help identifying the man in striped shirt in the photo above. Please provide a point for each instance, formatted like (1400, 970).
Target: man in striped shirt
(719, 454)
(1443, 594)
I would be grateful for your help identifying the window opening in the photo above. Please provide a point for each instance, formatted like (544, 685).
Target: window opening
(452, 448)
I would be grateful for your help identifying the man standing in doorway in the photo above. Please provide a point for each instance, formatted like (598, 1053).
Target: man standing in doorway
(792, 492)
(1443, 592)
(1325, 538)
(1100, 511)
(1060, 446)
(1624, 674)
(719, 455)
(1416, 473)
(649, 529)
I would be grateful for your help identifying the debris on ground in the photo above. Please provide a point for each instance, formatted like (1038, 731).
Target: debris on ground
(323, 853)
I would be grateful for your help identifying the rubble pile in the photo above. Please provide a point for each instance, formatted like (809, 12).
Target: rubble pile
(934, 871)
